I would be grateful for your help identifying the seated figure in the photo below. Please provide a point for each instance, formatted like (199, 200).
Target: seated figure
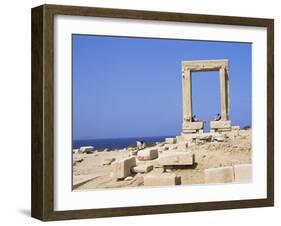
(194, 119)
(217, 117)
(140, 144)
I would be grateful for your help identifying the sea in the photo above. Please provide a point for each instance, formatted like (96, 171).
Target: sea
(116, 143)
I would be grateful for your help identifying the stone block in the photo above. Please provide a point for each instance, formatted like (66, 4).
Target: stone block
(170, 140)
(161, 179)
(86, 149)
(219, 175)
(142, 168)
(179, 139)
(194, 125)
(147, 154)
(174, 158)
(243, 172)
(182, 146)
(220, 124)
(123, 167)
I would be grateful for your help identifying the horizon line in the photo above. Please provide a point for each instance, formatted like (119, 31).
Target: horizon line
(122, 137)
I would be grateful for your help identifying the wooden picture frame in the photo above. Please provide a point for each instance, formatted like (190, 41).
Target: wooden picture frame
(42, 203)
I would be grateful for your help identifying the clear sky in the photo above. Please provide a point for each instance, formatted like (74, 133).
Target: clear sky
(131, 87)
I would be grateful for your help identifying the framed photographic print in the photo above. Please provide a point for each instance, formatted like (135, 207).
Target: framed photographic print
(142, 112)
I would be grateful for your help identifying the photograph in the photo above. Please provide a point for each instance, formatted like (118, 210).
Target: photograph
(158, 112)
(138, 112)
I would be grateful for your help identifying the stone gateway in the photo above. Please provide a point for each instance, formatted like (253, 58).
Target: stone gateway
(190, 126)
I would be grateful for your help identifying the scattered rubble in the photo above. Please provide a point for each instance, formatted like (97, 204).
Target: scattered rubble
(86, 150)
(221, 157)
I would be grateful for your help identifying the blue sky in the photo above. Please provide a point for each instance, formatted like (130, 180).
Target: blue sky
(131, 87)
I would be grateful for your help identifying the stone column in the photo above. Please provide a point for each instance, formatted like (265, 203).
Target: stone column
(227, 92)
(223, 92)
(187, 95)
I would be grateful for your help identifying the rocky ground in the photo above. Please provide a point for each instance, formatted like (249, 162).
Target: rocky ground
(96, 170)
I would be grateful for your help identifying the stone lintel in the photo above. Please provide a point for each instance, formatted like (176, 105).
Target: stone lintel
(205, 65)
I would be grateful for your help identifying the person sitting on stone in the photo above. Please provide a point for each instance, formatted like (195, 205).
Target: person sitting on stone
(217, 117)
(194, 119)
(140, 144)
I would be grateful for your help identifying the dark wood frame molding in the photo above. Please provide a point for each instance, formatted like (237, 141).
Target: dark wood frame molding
(42, 203)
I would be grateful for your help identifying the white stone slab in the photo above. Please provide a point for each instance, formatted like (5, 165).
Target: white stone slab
(123, 167)
(86, 149)
(219, 175)
(142, 168)
(173, 158)
(243, 172)
(161, 179)
(147, 154)
(194, 125)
